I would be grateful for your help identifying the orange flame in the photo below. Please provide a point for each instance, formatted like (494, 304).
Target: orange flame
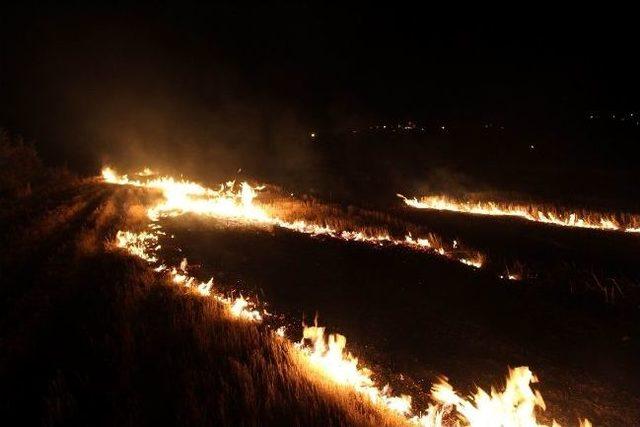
(514, 406)
(600, 221)
(326, 356)
(238, 204)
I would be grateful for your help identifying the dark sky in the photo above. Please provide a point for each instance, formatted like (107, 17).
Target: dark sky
(102, 82)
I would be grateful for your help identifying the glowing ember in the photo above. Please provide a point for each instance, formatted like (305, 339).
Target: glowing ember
(600, 221)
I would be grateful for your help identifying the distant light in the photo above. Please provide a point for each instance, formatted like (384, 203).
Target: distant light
(533, 147)
(384, 127)
(442, 127)
(313, 134)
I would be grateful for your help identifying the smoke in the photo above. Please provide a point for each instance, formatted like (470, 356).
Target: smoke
(131, 92)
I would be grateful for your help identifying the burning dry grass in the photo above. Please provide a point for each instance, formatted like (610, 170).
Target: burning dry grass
(97, 338)
(371, 223)
(236, 203)
(546, 214)
(323, 356)
(140, 351)
(91, 332)
(555, 257)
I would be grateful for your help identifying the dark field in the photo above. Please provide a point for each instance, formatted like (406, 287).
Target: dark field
(191, 192)
(415, 314)
(92, 336)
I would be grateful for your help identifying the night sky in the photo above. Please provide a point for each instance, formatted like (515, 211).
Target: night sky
(97, 83)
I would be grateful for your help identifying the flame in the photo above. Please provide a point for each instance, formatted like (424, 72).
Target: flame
(594, 220)
(240, 307)
(237, 203)
(326, 355)
(473, 262)
(181, 197)
(146, 172)
(144, 244)
(138, 244)
(514, 406)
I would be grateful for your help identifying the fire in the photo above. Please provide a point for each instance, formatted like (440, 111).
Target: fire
(514, 406)
(181, 197)
(144, 245)
(326, 355)
(240, 307)
(138, 244)
(585, 219)
(237, 203)
(146, 172)
(109, 175)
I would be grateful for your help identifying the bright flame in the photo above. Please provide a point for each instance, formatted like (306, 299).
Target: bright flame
(594, 220)
(327, 355)
(144, 245)
(236, 203)
(514, 406)
(240, 307)
(138, 244)
(146, 172)
(473, 262)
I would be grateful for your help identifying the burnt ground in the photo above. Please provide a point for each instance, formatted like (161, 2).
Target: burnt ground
(600, 266)
(422, 316)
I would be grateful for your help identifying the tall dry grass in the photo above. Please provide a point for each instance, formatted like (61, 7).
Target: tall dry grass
(93, 337)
